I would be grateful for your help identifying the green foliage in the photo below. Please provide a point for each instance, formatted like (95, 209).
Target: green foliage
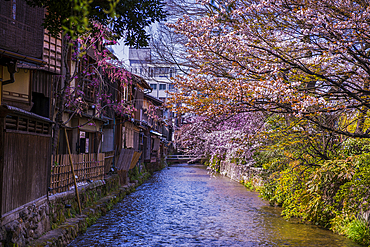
(301, 140)
(329, 195)
(71, 16)
(317, 177)
(250, 185)
(355, 194)
(133, 16)
(92, 219)
(359, 231)
(143, 168)
(355, 147)
(353, 200)
(127, 19)
(321, 187)
(134, 173)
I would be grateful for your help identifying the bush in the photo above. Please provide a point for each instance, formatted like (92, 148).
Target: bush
(214, 164)
(359, 231)
(134, 173)
(329, 195)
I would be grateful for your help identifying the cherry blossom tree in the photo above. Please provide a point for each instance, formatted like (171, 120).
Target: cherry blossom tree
(309, 59)
(225, 137)
(93, 78)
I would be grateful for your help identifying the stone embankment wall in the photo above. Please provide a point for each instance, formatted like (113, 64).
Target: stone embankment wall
(55, 220)
(23, 224)
(241, 173)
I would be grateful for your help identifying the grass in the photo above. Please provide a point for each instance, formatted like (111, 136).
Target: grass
(359, 231)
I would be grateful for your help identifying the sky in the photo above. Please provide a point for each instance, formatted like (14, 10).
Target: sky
(122, 51)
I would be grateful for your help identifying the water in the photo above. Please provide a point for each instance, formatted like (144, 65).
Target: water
(184, 205)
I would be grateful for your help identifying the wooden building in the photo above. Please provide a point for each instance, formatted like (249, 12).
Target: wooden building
(25, 96)
(30, 67)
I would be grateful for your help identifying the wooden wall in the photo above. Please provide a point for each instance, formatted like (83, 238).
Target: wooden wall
(26, 169)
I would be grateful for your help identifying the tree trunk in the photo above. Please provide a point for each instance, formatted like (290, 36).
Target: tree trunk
(60, 94)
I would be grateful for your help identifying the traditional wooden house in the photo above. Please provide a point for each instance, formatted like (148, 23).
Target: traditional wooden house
(29, 59)
(30, 68)
(155, 136)
(83, 130)
(30, 73)
(130, 129)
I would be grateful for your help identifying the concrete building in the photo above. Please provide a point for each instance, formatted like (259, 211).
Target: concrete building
(159, 76)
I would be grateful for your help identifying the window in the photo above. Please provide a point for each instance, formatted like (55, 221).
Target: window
(161, 71)
(162, 86)
(154, 86)
(171, 87)
(14, 9)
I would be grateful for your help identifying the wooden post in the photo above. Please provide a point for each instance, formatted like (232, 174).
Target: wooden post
(73, 171)
(2, 153)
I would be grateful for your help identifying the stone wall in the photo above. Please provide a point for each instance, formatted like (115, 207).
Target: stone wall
(63, 234)
(30, 221)
(22, 225)
(64, 205)
(241, 173)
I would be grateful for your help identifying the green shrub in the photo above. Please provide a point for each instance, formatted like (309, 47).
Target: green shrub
(134, 173)
(359, 231)
(249, 185)
(309, 192)
(354, 196)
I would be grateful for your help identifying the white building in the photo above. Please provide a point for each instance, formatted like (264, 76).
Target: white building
(157, 75)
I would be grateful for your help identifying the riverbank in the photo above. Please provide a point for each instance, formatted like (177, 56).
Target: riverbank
(65, 232)
(55, 220)
(355, 227)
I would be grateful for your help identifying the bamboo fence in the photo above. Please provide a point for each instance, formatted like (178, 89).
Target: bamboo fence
(87, 167)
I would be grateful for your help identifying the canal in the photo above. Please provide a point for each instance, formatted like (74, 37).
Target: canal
(184, 205)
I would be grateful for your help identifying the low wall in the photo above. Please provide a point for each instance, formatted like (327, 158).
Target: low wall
(23, 225)
(64, 205)
(241, 173)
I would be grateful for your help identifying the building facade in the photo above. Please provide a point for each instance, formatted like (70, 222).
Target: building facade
(159, 76)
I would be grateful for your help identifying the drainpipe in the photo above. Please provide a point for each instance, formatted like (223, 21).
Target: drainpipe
(12, 68)
(114, 143)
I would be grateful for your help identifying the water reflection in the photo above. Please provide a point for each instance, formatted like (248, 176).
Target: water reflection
(185, 206)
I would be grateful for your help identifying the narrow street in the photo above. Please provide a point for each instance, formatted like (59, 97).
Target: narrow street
(184, 205)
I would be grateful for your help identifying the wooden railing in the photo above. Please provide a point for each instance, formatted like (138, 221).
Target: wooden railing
(87, 167)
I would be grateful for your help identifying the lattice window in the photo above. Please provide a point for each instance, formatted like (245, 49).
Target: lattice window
(25, 124)
(53, 52)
